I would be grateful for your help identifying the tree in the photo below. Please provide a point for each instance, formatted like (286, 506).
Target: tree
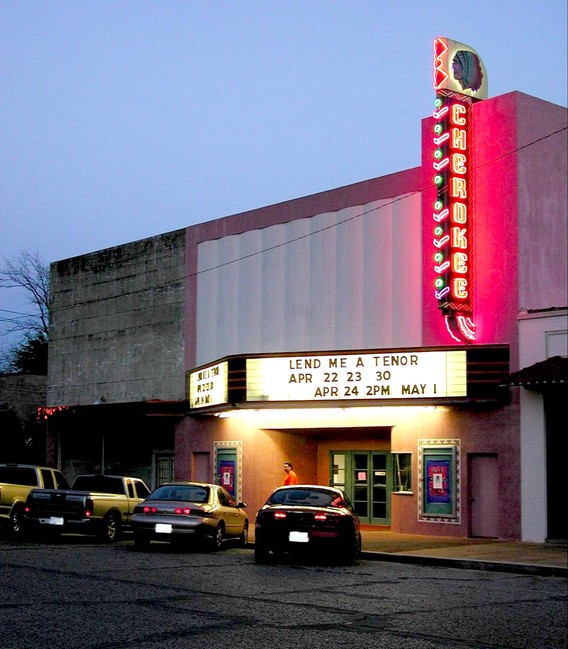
(29, 273)
(30, 356)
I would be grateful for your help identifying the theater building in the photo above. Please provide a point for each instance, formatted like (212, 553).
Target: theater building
(404, 337)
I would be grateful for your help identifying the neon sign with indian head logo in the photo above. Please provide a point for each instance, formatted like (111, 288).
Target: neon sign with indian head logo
(459, 80)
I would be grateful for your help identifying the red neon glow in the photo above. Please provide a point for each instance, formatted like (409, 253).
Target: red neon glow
(440, 75)
(442, 268)
(451, 164)
(457, 114)
(459, 263)
(458, 188)
(440, 140)
(459, 213)
(459, 288)
(459, 238)
(440, 216)
(440, 114)
(49, 411)
(461, 327)
(466, 326)
(438, 166)
(459, 165)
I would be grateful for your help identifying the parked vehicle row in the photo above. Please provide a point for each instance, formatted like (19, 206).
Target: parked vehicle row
(294, 519)
(16, 482)
(180, 511)
(307, 518)
(96, 504)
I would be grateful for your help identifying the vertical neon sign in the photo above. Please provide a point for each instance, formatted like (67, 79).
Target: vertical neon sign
(459, 80)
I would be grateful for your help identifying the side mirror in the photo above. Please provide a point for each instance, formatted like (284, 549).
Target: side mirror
(241, 505)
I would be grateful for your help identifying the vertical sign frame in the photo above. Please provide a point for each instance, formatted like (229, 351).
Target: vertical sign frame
(439, 481)
(459, 80)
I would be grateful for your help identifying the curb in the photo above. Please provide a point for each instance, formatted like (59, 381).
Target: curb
(469, 564)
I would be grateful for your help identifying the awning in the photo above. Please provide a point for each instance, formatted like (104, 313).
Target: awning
(551, 372)
(150, 408)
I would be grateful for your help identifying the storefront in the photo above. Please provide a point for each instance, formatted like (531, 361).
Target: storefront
(365, 333)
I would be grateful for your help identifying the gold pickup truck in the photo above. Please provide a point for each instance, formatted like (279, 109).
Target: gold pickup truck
(95, 504)
(16, 482)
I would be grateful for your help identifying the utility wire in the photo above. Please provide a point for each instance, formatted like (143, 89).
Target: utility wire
(177, 281)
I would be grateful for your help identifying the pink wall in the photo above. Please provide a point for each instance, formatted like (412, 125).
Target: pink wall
(520, 223)
(543, 200)
(495, 232)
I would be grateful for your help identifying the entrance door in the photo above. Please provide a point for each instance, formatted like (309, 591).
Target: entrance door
(365, 477)
(163, 468)
(484, 495)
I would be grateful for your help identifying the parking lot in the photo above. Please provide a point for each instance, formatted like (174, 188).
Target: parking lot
(79, 593)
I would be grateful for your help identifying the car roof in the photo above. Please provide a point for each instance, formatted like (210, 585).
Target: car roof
(28, 466)
(308, 486)
(187, 483)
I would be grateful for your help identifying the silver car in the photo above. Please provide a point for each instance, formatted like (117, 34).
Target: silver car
(179, 512)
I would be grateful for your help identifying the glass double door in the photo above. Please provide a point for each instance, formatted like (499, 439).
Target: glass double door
(365, 476)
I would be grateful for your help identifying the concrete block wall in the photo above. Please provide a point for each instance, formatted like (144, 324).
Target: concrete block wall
(116, 330)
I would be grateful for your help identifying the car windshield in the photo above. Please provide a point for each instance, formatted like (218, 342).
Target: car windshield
(309, 497)
(186, 493)
(99, 483)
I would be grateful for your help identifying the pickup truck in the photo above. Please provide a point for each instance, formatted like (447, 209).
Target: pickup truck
(16, 482)
(95, 504)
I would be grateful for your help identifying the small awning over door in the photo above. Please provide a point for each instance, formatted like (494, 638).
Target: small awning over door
(548, 373)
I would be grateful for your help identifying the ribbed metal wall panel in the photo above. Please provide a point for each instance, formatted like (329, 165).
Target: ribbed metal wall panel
(349, 279)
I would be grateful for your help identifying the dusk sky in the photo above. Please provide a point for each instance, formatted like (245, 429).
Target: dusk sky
(121, 120)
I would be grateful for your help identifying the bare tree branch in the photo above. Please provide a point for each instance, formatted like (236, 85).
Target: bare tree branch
(28, 272)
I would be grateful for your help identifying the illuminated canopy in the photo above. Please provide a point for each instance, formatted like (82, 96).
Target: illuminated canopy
(365, 377)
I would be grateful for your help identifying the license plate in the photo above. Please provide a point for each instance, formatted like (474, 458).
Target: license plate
(163, 528)
(56, 520)
(298, 537)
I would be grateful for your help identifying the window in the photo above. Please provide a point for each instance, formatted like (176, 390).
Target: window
(402, 463)
(19, 475)
(142, 490)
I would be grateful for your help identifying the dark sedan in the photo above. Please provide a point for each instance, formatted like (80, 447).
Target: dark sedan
(308, 518)
(179, 512)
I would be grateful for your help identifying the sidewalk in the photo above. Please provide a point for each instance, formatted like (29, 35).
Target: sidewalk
(545, 559)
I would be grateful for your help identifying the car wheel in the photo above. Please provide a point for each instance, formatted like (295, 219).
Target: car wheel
(216, 541)
(111, 528)
(17, 522)
(352, 550)
(141, 542)
(261, 553)
(243, 538)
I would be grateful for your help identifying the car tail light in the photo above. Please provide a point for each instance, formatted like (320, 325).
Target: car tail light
(186, 511)
(150, 510)
(27, 509)
(89, 507)
(279, 514)
(320, 517)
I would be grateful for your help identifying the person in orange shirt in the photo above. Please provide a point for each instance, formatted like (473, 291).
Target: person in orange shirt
(291, 477)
